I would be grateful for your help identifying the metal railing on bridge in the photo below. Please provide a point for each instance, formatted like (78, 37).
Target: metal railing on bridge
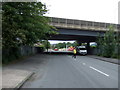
(80, 24)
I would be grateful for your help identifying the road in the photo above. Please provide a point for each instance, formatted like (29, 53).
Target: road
(63, 71)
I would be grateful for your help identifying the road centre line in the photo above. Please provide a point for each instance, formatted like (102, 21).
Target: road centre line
(75, 59)
(83, 63)
(95, 69)
(99, 71)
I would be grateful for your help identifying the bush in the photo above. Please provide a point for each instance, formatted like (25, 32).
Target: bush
(107, 44)
(10, 55)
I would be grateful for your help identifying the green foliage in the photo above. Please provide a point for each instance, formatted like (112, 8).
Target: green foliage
(83, 44)
(118, 45)
(75, 44)
(60, 45)
(68, 44)
(10, 54)
(24, 23)
(43, 47)
(93, 46)
(46, 44)
(107, 44)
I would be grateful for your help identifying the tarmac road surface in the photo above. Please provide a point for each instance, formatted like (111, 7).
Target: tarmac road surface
(63, 71)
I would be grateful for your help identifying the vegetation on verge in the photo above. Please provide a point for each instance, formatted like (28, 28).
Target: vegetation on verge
(64, 45)
(108, 44)
(46, 44)
(23, 24)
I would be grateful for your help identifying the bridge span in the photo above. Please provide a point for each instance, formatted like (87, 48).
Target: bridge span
(80, 30)
(82, 24)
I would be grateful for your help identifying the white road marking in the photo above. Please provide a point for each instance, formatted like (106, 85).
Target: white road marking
(99, 71)
(75, 59)
(83, 63)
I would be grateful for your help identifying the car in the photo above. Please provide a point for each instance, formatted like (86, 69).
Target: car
(55, 49)
(82, 50)
(70, 49)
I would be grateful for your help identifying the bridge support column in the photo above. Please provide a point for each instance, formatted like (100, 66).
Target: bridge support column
(88, 47)
(79, 43)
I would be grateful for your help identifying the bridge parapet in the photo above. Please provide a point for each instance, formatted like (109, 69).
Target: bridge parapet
(80, 24)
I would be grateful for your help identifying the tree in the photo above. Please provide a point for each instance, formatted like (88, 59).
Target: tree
(69, 44)
(75, 44)
(100, 48)
(61, 45)
(46, 44)
(24, 23)
(107, 44)
(64, 45)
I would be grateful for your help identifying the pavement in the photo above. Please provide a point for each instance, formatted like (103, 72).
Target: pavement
(111, 60)
(15, 75)
(13, 78)
(60, 71)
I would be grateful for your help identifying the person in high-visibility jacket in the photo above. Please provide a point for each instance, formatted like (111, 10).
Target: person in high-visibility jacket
(74, 53)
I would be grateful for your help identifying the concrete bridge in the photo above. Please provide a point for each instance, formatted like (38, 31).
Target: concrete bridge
(82, 31)
(79, 30)
(82, 25)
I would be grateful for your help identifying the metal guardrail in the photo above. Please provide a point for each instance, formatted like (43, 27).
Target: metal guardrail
(80, 24)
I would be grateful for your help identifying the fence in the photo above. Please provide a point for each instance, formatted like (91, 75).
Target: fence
(11, 54)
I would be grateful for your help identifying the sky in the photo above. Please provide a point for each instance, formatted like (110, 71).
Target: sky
(89, 10)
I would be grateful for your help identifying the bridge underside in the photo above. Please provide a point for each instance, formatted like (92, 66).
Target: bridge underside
(80, 39)
(81, 36)
(73, 37)
(75, 34)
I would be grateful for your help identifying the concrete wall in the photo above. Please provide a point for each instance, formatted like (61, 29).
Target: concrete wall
(11, 54)
(27, 50)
